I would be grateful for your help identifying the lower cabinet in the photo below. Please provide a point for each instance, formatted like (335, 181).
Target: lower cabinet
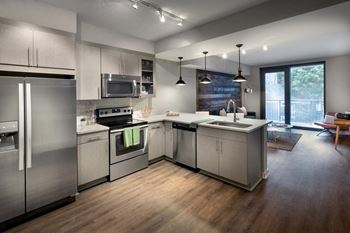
(223, 157)
(169, 140)
(93, 157)
(208, 154)
(156, 141)
(233, 161)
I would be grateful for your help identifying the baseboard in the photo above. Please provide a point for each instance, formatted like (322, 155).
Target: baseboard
(35, 213)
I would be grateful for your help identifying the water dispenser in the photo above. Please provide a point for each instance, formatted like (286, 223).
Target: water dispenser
(8, 136)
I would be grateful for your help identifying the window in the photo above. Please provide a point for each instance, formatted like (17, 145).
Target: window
(294, 94)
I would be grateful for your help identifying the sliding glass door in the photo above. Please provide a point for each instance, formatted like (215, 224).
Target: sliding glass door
(275, 102)
(294, 94)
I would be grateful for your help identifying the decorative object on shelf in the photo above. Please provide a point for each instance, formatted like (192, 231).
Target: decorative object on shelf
(162, 12)
(205, 79)
(146, 112)
(147, 77)
(239, 77)
(180, 82)
(248, 90)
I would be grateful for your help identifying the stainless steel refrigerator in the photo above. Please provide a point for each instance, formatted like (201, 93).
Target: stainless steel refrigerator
(38, 155)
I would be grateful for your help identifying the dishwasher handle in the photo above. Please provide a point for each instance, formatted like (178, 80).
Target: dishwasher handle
(183, 126)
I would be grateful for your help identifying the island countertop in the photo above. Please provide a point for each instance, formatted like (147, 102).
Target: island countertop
(188, 118)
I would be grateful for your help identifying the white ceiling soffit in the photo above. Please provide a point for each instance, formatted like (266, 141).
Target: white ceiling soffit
(119, 16)
(321, 33)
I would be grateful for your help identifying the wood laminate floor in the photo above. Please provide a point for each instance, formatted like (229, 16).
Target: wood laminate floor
(308, 191)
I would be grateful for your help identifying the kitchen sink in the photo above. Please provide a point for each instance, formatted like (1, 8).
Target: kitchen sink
(230, 124)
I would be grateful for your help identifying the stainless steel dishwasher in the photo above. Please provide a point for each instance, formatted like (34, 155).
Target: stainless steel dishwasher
(185, 151)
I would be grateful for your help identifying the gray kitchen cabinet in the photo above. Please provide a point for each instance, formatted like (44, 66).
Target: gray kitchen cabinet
(208, 154)
(54, 50)
(88, 72)
(169, 140)
(130, 64)
(111, 61)
(93, 157)
(232, 156)
(15, 45)
(233, 160)
(156, 140)
(116, 62)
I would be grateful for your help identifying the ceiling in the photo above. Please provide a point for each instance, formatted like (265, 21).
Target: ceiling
(317, 34)
(119, 16)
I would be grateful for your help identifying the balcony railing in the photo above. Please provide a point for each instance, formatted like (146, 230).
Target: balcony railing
(303, 112)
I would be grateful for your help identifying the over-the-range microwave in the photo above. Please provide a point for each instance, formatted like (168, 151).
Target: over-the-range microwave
(117, 86)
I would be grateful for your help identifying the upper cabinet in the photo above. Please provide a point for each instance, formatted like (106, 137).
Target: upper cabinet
(54, 51)
(111, 61)
(15, 45)
(131, 64)
(21, 46)
(88, 72)
(115, 62)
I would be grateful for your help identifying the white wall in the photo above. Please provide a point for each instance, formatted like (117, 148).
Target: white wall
(39, 13)
(267, 12)
(337, 84)
(168, 95)
(103, 36)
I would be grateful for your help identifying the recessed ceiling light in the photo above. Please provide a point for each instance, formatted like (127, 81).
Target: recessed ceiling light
(243, 51)
(265, 48)
(224, 56)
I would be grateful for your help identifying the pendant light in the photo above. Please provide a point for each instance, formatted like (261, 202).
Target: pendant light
(205, 79)
(239, 77)
(180, 82)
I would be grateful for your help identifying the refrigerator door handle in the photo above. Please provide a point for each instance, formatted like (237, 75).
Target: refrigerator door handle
(29, 125)
(21, 126)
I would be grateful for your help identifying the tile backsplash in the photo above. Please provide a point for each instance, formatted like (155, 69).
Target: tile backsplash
(84, 106)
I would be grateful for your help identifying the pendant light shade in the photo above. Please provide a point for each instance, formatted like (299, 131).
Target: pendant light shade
(205, 79)
(239, 77)
(180, 82)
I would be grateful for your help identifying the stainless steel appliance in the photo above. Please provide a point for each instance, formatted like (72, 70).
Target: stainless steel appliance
(124, 160)
(38, 158)
(114, 86)
(185, 151)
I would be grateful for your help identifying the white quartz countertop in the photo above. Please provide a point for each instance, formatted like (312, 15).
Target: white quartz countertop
(94, 128)
(189, 118)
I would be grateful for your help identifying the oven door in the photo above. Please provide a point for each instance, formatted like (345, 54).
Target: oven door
(118, 152)
(120, 86)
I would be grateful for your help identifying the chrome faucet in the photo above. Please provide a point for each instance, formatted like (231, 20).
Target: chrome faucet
(235, 118)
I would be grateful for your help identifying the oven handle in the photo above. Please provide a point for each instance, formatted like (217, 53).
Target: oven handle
(121, 130)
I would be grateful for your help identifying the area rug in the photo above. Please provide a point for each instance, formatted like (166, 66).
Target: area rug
(284, 140)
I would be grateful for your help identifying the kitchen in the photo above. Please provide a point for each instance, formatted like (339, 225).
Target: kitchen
(92, 115)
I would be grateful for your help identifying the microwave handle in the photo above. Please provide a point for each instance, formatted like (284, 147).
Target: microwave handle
(135, 87)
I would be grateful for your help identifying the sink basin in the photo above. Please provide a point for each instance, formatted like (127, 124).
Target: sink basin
(230, 124)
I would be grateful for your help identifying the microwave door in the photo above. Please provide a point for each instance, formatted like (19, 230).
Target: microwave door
(120, 89)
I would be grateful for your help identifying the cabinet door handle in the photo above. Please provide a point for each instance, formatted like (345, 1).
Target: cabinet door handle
(98, 93)
(217, 146)
(221, 148)
(37, 57)
(93, 139)
(28, 51)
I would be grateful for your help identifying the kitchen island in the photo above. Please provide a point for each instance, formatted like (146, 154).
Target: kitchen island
(233, 152)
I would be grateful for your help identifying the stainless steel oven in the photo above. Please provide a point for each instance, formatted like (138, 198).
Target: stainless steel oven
(123, 160)
(118, 152)
(114, 86)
